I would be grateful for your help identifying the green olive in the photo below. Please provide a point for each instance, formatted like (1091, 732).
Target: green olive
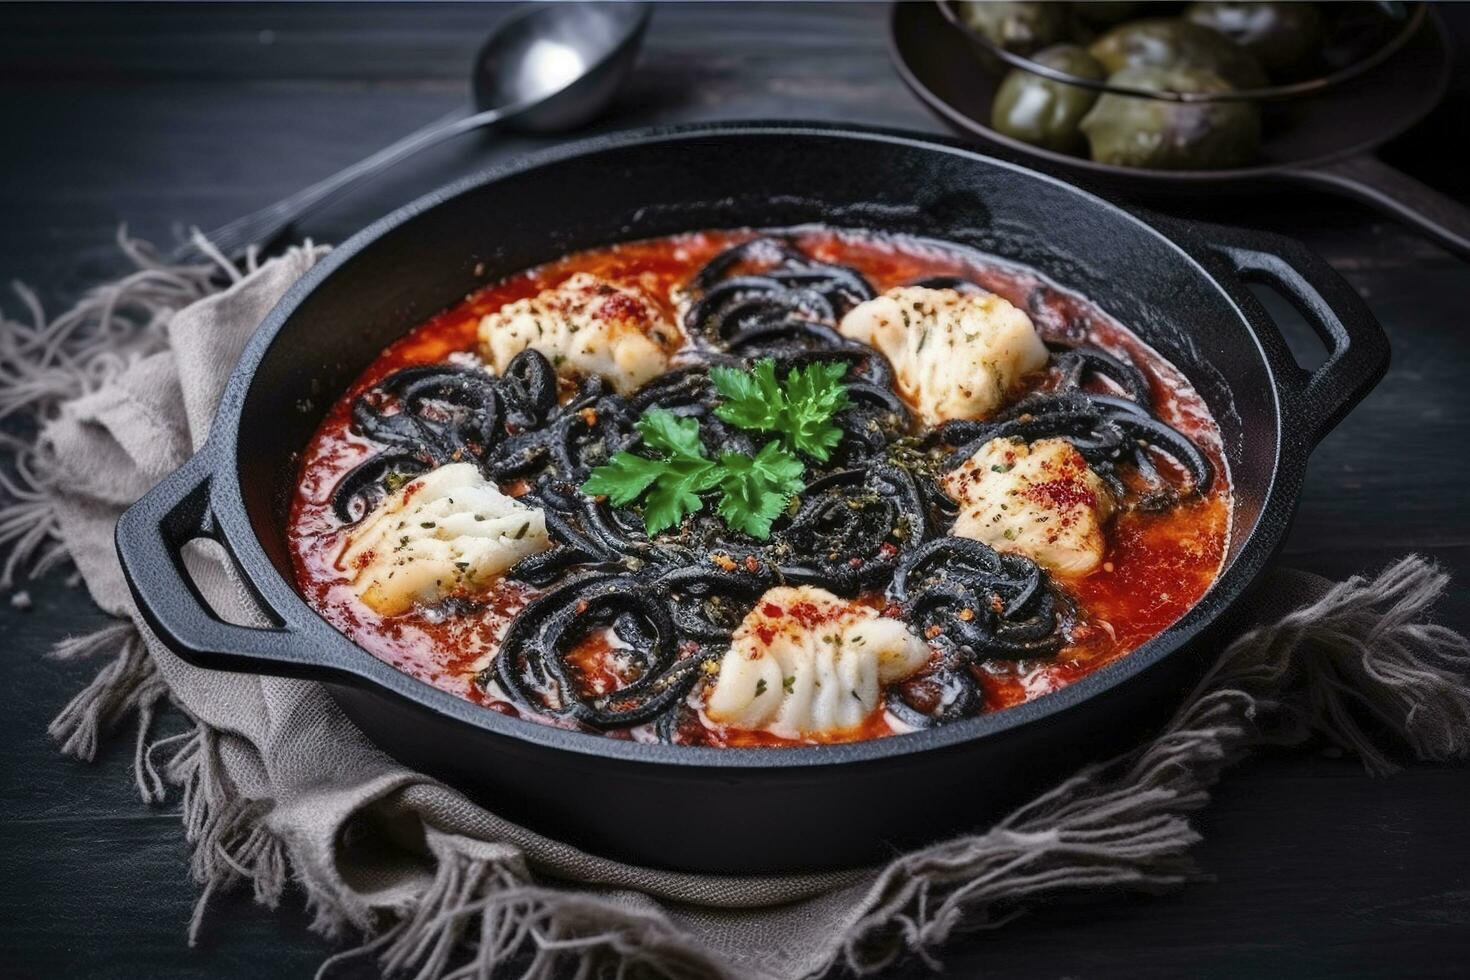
(1163, 42)
(1284, 37)
(1019, 27)
(1043, 112)
(1136, 131)
(1104, 13)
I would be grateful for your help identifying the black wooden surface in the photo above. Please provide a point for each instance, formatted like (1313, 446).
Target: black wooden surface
(160, 116)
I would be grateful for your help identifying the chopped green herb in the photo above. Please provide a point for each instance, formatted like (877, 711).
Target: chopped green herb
(673, 482)
(760, 687)
(754, 490)
(798, 410)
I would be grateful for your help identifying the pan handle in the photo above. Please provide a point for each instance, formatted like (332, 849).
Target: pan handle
(1368, 179)
(150, 538)
(1358, 350)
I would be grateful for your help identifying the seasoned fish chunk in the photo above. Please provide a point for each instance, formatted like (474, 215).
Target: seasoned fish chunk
(585, 326)
(445, 533)
(804, 662)
(955, 355)
(1041, 500)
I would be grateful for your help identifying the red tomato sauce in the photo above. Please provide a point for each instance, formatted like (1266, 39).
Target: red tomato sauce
(1157, 564)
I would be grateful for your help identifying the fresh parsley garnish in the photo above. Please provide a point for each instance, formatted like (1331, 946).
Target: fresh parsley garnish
(673, 482)
(799, 410)
(754, 490)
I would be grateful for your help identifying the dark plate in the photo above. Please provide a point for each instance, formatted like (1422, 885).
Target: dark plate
(1326, 141)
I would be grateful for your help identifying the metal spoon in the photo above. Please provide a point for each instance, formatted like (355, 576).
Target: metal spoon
(549, 69)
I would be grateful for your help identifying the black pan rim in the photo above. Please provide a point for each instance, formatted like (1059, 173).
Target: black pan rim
(961, 122)
(363, 668)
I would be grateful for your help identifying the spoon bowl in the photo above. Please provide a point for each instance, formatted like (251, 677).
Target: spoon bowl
(557, 67)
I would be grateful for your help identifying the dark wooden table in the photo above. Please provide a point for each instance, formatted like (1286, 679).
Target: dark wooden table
(158, 117)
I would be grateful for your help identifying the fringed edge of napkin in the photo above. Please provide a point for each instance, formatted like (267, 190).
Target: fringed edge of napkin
(1360, 660)
(45, 362)
(480, 900)
(229, 839)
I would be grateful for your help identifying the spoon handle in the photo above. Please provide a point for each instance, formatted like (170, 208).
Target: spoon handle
(264, 226)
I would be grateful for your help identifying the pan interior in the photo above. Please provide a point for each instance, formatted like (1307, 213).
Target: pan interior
(387, 281)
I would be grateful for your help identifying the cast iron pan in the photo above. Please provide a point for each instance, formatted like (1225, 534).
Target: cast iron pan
(1326, 141)
(1182, 287)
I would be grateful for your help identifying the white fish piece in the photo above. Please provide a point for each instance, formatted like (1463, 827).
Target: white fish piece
(955, 355)
(804, 662)
(585, 326)
(1039, 499)
(448, 532)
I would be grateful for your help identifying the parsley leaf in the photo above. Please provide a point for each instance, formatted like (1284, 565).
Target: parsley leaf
(753, 400)
(623, 478)
(814, 395)
(799, 410)
(673, 483)
(756, 489)
(670, 433)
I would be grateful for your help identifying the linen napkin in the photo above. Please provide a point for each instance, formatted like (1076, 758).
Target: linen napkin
(277, 787)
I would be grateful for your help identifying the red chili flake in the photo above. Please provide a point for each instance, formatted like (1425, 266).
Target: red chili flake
(618, 306)
(589, 415)
(772, 610)
(581, 606)
(893, 611)
(1061, 494)
(809, 614)
(932, 632)
(752, 564)
(855, 562)
(765, 633)
(888, 549)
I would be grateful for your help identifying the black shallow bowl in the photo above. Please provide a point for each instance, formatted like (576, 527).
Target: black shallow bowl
(1181, 287)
